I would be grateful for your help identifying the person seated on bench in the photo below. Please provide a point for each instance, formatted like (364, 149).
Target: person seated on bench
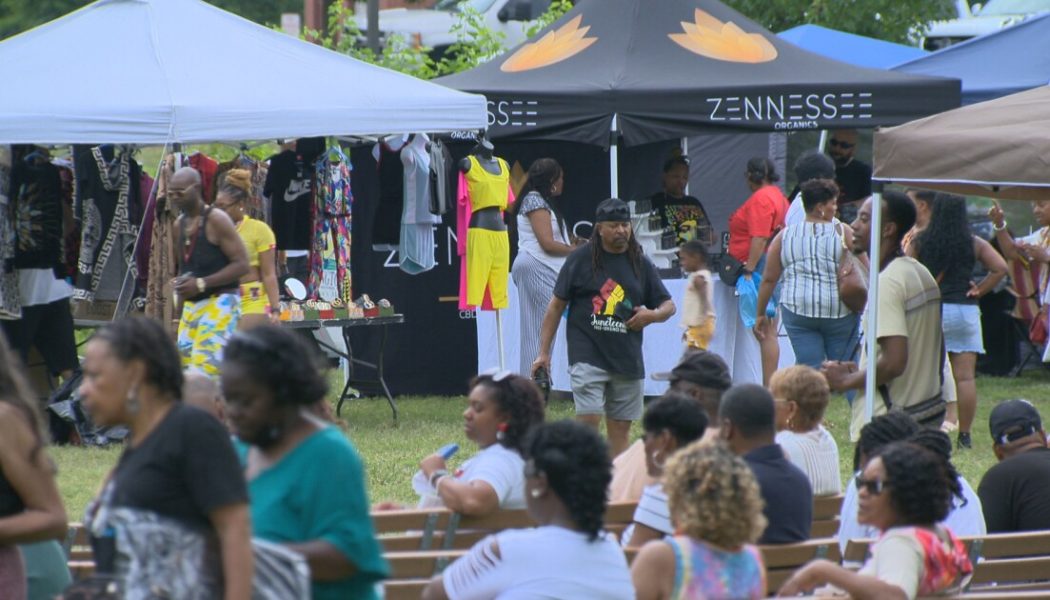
(746, 418)
(801, 395)
(671, 422)
(567, 472)
(305, 479)
(965, 517)
(700, 374)
(501, 409)
(904, 492)
(1016, 491)
(717, 509)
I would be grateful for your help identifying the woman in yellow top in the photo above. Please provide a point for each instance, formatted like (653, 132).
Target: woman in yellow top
(259, 286)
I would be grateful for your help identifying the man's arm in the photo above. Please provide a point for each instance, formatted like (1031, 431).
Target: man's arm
(893, 360)
(547, 331)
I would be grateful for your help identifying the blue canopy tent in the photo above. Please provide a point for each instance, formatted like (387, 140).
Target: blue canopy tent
(994, 65)
(850, 48)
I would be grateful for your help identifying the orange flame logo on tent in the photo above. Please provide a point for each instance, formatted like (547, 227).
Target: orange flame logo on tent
(566, 42)
(723, 41)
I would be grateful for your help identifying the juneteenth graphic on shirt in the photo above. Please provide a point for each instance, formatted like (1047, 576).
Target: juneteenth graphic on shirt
(610, 303)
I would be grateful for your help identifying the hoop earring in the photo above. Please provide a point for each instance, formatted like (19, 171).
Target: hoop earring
(659, 464)
(535, 493)
(131, 403)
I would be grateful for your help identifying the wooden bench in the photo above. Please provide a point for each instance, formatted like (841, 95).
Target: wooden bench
(1010, 561)
(826, 511)
(784, 559)
(433, 529)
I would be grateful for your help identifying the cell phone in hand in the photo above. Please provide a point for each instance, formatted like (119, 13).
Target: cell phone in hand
(448, 451)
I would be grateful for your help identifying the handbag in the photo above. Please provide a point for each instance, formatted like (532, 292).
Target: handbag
(729, 269)
(852, 289)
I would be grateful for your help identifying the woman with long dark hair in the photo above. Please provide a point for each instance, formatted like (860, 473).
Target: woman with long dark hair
(948, 248)
(30, 507)
(543, 243)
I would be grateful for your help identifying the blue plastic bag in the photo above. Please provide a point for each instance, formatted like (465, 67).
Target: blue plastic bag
(747, 292)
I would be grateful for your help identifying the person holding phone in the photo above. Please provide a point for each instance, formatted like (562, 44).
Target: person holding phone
(612, 292)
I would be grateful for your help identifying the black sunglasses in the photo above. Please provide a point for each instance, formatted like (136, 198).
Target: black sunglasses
(873, 486)
(841, 144)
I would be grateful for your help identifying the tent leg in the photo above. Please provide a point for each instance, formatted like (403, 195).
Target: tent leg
(823, 143)
(614, 160)
(684, 144)
(127, 286)
(871, 324)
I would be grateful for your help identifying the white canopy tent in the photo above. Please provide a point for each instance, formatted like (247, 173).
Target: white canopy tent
(150, 72)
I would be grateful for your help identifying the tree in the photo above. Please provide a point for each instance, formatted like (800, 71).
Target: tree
(891, 20)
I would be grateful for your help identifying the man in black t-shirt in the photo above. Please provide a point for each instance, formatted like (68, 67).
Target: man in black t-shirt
(1015, 494)
(852, 176)
(612, 292)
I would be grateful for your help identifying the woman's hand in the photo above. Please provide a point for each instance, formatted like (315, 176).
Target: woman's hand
(806, 578)
(761, 327)
(1036, 252)
(431, 464)
(995, 213)
(387, 506)
(974, 291)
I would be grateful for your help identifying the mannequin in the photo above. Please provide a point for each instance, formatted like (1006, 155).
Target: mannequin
(488, 243)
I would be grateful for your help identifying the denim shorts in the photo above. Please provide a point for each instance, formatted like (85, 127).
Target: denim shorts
(962, 328)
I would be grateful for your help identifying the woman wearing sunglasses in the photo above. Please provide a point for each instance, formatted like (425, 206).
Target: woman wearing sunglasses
(904, 491)
(501, 409)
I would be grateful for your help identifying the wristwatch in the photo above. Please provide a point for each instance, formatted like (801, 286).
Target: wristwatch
(201, 286)
(435, 476)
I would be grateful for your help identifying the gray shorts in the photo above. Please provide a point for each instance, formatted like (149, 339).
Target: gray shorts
(599, 392)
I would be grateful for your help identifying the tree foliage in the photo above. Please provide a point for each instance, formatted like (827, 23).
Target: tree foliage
(891, 20)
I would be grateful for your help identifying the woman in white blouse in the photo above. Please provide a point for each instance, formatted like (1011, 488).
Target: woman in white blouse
(567, 471)
(801, 396)
(543, 244)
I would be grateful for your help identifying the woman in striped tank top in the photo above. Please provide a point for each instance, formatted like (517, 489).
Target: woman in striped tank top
(807, 256)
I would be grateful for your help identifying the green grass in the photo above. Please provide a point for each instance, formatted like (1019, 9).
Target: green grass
(392, 452)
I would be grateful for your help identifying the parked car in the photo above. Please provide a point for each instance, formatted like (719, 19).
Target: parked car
(432, 27)
(979, 20)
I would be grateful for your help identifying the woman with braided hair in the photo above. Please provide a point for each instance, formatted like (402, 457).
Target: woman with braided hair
(259, 295)
(716, 507)
(567, 473)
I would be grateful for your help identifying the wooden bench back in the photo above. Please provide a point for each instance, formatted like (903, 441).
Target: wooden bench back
(826, 511)
(784, 559)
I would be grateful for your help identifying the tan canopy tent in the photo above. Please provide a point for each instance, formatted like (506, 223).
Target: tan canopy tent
(997, 149)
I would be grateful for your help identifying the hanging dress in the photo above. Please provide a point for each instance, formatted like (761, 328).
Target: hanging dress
(330, 276)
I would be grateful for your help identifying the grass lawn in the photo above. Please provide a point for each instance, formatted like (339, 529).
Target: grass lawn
(392, 453)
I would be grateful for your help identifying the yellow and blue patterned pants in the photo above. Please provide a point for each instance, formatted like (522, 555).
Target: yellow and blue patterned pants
(204, 329)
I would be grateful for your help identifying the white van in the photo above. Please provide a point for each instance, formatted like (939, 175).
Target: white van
(432, 27)
(981, 19)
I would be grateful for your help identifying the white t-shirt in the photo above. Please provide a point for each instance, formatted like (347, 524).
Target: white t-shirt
(817, 455)
(964, 521)
(40, 286)
(652, 511)
(545, 562)
(527, 241)
(501, 468)
(697, 307)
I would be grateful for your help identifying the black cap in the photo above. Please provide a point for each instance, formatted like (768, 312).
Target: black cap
(1012, 420)
(703, 368)
(612, 210)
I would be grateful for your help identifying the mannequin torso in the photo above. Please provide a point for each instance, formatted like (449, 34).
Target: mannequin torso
(489, 218)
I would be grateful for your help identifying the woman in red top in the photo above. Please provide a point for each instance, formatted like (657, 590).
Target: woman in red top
(750, 228)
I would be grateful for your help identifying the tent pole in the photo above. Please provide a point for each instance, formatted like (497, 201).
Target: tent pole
(499, 339)
(684, 145)
(127, 286)
(823, 143)
(614, 160)
(872, 313)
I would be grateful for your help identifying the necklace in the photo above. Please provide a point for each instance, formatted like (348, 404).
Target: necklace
(189, 243)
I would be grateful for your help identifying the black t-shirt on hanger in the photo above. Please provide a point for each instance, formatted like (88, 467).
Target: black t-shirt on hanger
(37, 193)
(290, 188)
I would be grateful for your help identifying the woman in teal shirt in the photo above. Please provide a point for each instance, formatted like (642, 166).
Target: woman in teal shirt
(305, 480)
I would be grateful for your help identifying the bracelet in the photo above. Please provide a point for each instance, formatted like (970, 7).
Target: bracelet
(999, 228)
(201, 286)
(436, 476)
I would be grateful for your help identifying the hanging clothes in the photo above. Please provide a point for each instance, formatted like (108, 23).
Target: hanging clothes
(162, 261)
(143, 248)
(386, 223)
(330, 274)
(463, 212)
(290, 188)
(71, 228)
(416, 248)
(440, 192)
(36, 190)
(10, 305)
(106, 205)
(488, 252)
(207, 167)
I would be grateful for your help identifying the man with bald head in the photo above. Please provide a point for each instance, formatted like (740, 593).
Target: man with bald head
(212, 259)
(852, 175)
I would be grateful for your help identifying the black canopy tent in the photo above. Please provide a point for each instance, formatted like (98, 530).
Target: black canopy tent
(653, 71)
